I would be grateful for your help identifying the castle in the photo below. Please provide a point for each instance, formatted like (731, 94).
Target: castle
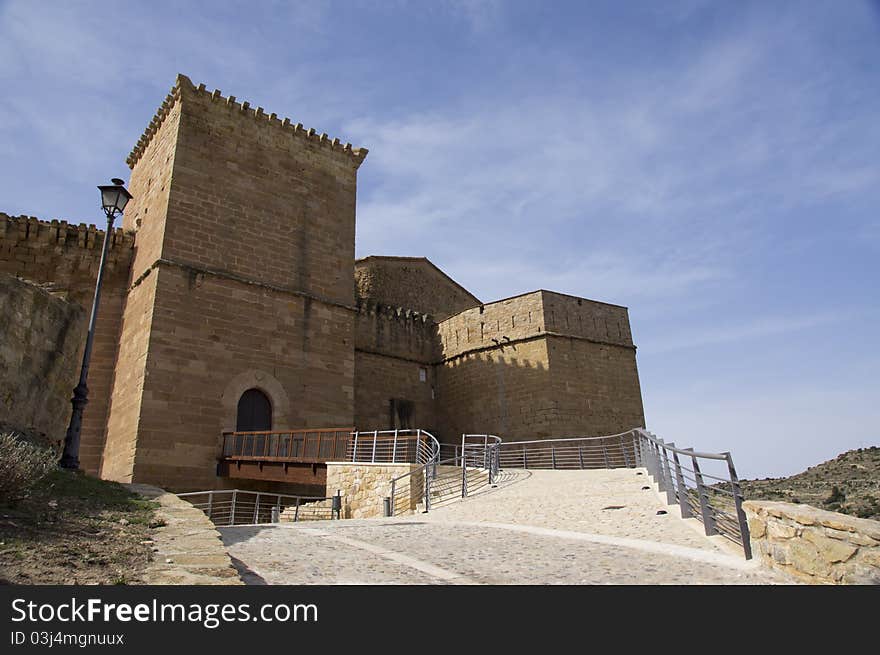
(232, 300)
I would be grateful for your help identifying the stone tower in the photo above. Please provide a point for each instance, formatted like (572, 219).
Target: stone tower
(242, 278)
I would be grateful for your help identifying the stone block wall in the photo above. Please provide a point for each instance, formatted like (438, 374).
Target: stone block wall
(594, 388)
(246, 227)
(365, 486)
(579, 317)
(505, 391)
(379, 379)
(412, 283)
(396, 332)
(815, 545)
(521, 317)
(210, 339)
(253, 195)
(41, 342)
(66, 257)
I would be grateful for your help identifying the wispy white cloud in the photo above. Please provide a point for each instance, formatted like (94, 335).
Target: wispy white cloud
(748, 328)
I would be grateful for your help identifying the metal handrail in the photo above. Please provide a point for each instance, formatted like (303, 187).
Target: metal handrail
(402, 446)
(602, 452)
(484, 456)
(226, 507)
(664, 465)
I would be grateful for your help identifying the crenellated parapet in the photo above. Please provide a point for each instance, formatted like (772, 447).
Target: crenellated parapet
(395, 331)
(183, 86)
(61, 253)
(539, 313)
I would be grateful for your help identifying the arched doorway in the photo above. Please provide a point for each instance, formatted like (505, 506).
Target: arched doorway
(254, 412)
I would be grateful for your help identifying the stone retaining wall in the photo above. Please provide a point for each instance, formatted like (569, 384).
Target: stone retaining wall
(814, 545)
(364, 487)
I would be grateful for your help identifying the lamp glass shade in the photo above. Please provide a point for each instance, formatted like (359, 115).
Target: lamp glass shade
(114, 197)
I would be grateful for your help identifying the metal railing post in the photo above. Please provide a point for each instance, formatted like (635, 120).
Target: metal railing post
(232, 514)
(740, 512)
(670, 488)
(463, 478)
(525, 461)
(354, 448)
(211, 504)
(625, 456)
(257, 508)
(375, 437)
(553, 456)
(683, 503)
(296, 511)
(581, 454)
(708, 520)
(277, 510)
(658, 465)
(605, 455)
(394, 448)
(427, 489)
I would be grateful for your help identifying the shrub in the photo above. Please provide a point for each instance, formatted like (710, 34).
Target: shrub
(835, 497)
(22, 465)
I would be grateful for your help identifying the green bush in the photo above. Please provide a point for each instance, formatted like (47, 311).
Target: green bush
(22, 465)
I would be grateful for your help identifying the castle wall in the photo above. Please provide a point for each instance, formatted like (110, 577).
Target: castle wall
(252, 286)
(392, 346)
(539, 365)
(413, 283)
(503, 391)
(295, 345)
(579, 317)
(520, 317)
(146, 214)
(41, 343)
(257, 197)
(67, 256)
(594, 388)
(379, 378)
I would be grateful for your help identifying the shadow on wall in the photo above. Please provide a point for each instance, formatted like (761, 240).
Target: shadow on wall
(541, 388)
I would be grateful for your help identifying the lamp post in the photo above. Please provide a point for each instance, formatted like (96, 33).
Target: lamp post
(114, 197)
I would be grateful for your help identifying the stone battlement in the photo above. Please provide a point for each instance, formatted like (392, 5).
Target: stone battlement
(366, 306)
(184, 85)
(56, 232)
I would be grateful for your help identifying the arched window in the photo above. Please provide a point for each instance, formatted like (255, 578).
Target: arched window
(254, 412)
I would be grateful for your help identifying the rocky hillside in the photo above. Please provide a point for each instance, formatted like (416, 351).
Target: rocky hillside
(849, 484)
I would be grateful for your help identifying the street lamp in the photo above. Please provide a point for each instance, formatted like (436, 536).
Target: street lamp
(114, 197)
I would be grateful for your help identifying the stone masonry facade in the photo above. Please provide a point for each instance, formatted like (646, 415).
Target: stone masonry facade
(234, 270)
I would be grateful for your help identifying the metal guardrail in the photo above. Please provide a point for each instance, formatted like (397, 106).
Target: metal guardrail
(240, 507)
(474, 465)
(414, 446)
(612, 451)
(678, 473)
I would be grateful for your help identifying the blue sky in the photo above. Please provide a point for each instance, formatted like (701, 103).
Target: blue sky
(711, 165)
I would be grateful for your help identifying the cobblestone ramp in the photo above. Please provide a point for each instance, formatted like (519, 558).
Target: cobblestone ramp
(535, 527)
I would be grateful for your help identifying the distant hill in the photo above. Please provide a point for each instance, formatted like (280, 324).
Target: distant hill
(849, 483)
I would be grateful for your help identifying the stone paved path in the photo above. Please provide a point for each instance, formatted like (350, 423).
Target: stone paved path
(536, 527)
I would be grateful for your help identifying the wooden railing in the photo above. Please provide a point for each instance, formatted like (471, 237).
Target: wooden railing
(320, 445)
